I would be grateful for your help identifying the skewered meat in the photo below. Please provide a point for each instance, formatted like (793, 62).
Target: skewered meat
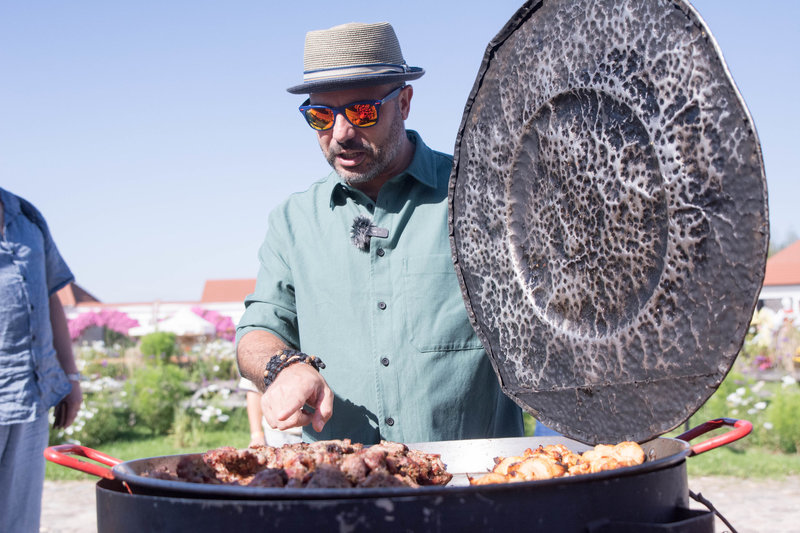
(322, 464)
(556, 460)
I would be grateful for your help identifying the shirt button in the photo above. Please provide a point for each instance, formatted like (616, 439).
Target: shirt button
(390, 421)
(385, 361)
(33, 337)
(381, 305)
(380, 252)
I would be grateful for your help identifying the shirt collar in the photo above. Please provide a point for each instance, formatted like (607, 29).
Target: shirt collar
(422, 168)
(10, 204)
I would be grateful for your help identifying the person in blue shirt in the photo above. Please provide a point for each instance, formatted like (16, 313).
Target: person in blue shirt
(37, 367)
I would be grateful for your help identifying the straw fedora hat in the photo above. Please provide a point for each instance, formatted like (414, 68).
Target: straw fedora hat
(353, 55)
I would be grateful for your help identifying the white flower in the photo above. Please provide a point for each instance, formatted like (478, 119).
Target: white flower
(768, 425)
(760, 406)
(788, 381)
(741, 391)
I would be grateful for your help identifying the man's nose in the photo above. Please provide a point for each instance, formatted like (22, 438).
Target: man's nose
(342, 129)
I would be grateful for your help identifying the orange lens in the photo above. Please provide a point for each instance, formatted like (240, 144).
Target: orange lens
(320, 119)
(362, 115)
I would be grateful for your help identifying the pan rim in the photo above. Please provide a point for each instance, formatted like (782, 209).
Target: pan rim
(127, 472)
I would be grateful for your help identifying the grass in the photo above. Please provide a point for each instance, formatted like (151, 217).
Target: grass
(139, 445)
(754, 463)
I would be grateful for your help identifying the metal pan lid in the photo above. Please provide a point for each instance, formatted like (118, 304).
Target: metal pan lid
(608, 214)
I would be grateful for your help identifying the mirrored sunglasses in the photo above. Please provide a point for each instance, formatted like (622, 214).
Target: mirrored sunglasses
(360, 114)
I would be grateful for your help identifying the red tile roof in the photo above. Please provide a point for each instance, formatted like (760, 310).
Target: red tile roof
(227, 290)
(783, 268)
(74, 294)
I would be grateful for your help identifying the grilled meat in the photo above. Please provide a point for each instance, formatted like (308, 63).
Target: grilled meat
(546, 462)
(269, 477)
(322, 464)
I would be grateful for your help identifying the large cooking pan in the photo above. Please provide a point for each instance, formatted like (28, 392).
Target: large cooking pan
(655, 492)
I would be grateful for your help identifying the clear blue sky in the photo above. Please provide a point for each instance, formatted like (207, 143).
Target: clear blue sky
(156, 136)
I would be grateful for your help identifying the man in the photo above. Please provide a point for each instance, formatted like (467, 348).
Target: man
(37, 367)
(357, 271)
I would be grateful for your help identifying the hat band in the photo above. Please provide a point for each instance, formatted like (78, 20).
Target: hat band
(353, 71)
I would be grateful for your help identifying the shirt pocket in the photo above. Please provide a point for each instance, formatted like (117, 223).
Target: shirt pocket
(435, 314)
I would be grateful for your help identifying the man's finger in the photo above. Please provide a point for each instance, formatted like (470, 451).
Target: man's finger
(293, 403)
(323, 410)
(297, 419)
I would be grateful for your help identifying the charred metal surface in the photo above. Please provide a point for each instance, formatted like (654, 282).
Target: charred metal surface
(608, 214)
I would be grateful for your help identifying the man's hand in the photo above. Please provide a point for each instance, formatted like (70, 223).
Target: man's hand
(67, 409)
(296, 386)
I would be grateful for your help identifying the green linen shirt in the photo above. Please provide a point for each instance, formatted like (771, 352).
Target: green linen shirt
(390, 323)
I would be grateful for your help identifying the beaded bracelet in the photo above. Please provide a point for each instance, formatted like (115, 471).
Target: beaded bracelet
(285, 358)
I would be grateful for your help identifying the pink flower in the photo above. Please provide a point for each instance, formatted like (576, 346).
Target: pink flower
(225, 327)
(106, 318)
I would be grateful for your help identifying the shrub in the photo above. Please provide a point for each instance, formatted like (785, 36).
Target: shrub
(103, 417)
(782, 415)
(213, 361)
(154, 394)
(104, 421)
(211, 408)
(770, 406)
(159, 346)
(98, 360)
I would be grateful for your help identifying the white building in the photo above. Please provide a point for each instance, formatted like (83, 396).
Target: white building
(225, 296)
(781, 290)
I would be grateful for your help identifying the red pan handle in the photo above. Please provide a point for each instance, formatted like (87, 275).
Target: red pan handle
(60, 455)
(741, 428)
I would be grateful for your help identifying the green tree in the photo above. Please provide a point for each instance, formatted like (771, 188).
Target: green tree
(161, 345)
(155, 392)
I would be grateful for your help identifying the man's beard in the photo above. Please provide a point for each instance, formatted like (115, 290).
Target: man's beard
(378, 158)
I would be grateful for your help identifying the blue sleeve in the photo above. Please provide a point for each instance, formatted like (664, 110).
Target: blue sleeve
(57, 273)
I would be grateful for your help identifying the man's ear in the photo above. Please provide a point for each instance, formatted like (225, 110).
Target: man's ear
(405, 101)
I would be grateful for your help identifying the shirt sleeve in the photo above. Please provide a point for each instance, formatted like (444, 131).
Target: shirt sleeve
(271, 307)
(57, 273)
(247, 385)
